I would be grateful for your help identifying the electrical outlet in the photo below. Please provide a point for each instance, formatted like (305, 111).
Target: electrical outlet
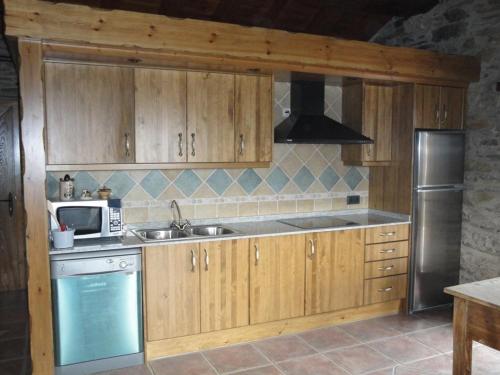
(353, 199)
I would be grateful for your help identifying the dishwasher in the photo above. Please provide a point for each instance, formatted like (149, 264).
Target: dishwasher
(97, 311)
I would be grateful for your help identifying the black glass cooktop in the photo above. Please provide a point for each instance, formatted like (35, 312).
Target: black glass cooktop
(318, 222)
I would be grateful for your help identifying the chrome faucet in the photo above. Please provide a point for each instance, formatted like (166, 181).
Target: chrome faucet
(178, 223)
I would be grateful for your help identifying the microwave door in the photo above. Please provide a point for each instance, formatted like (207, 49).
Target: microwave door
(86, 220)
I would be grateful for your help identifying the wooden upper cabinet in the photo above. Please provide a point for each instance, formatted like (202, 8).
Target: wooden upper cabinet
(334, 270)
(253, 118)
(439, 107)
(452, 108)
(210, 117)
(276, 278)
(367, 108)
(90, 114)
(224, 284)
(172, 285)
(160, 116)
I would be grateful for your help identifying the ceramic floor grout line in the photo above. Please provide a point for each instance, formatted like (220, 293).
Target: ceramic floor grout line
(209, 363)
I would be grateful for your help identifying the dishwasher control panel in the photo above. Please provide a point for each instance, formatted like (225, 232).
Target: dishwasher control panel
(95, 266)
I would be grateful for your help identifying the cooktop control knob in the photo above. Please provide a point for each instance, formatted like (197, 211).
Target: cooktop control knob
(123, 264)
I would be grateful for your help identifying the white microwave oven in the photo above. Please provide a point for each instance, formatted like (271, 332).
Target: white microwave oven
(89, 218)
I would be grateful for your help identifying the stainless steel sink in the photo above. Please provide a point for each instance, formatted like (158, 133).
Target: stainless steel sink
(210, 230)
(150, 235)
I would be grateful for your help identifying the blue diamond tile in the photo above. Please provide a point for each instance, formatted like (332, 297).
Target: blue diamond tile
(277, 179)
(187, 182)
(219, 181)
(249, 180)
(120, 183)
(304, 178)
(329, 178)
(353, 177)
(154, 183)
(84, 180)
(52, 187)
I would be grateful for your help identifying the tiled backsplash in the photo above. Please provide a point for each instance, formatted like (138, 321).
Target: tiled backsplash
(302, 178)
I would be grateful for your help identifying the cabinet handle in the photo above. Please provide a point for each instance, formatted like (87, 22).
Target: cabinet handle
(387, 234)
(313, 249)
(193, 152)
(436, 120)
(383, 290)
(386, 268)
(257, 254)
(386, 251)
(180, 145)
(445, 114)
(206, 259)
(242, 144)
(193, 261)
(127, 144)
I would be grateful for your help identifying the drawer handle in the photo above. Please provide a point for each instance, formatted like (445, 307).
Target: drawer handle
(193, 152)
(387, 251)
(127, 145)
(313, 249)
(383, 290)
(242, 144)
(206, 259)
(193, 261)
(257, 254)
(386, 268)
(387, 234)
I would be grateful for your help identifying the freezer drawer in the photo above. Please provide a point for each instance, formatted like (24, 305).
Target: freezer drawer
(439, 158)
(436, 252)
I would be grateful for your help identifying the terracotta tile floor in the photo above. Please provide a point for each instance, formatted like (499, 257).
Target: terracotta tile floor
(14, 338)
(394, 345)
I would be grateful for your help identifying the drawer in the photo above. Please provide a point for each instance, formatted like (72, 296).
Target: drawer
(386, 268)
(385, 289)
(386, 251)
(387, 233)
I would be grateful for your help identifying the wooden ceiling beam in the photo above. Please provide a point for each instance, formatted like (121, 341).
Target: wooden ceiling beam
(270, 49)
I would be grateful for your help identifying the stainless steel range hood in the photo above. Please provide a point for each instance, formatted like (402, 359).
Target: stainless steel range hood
(307, 122)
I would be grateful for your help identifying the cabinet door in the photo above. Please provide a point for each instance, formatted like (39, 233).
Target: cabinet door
(210, 117)
(334, 270)
(253, 118)
(172, 291)
(427, 109)
(224, 284)
(160, 116)
(452, 107)
(377, 122)
(276, 278)
(90, 114)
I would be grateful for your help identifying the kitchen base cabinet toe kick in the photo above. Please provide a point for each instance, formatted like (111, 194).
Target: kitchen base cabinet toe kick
(204, 295)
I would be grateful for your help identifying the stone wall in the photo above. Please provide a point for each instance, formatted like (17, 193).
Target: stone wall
(469, 28)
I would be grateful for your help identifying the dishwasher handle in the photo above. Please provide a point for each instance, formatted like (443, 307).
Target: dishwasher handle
(95, 266)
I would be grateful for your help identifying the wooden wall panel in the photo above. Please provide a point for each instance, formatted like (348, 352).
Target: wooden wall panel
(37, 245)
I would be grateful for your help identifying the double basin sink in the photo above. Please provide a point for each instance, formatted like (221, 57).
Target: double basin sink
(155, 235)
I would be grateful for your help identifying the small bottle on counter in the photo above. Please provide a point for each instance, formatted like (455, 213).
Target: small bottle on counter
(66, 188)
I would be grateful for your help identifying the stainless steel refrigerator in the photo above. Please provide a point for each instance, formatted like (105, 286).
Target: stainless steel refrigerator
(438, 174)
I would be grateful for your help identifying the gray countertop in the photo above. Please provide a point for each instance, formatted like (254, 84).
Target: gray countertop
(244, 227)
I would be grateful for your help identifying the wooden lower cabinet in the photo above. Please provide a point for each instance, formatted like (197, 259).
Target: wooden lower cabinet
(385, 289)
(277, 270)
(224, 284)
(172, 291)
(334, 270)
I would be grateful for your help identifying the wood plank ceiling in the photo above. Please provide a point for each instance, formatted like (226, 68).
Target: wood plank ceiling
(348, 19)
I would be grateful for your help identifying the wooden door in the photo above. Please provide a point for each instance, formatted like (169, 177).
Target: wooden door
(224, 284)
(160, 116)
(276, 278)
(377, 122)
(452, 107)
(12, 253)
(253, 118)
(334, 270)
(427, 107)
(172, 291)
(210, 117)
(90, 114)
